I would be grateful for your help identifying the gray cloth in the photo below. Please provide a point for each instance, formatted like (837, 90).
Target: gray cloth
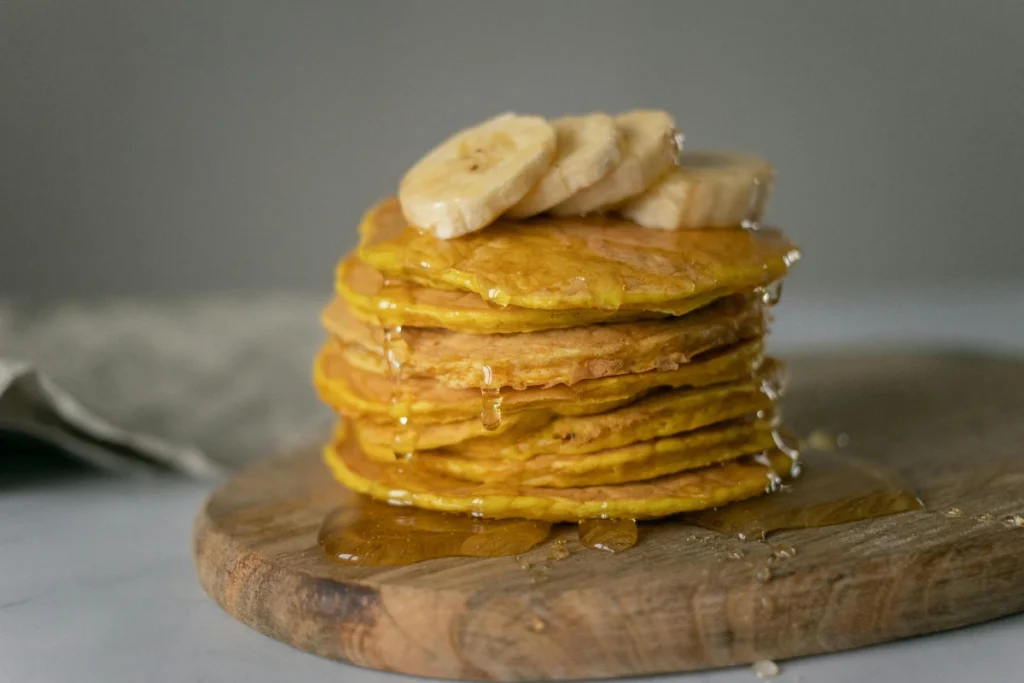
(198, 386)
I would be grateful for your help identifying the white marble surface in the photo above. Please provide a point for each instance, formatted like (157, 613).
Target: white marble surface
(96, 582)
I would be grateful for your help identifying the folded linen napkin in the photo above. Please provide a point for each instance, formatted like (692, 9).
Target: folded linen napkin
(199, 385)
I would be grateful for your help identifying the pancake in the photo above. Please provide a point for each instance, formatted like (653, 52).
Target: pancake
(662, 414)
(378, 439)
(559, 264)
(363, 394)
(531, 433)
(380, 302)
(550, 357)
(700, 489)
(632, 463)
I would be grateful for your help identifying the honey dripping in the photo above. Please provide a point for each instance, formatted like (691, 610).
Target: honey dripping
(404, 439)
(771, 380)
(490, 401)
(834, 488)
(609, 535)
(787, 444)
(774, 480)
(490, 408)
(771, 294)
(372, 534)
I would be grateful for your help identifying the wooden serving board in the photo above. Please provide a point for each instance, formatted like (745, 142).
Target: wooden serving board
(951, 424)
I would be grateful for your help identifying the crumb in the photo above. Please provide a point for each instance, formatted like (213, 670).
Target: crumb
(783, 552)
(558, 551)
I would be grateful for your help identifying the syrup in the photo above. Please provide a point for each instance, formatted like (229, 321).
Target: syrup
(771, 294)
(490, 401)
(610, 535)
(405, 436)
(835, 488)
(772, 385)
(490, 408)
(371, 534)
(558, 551)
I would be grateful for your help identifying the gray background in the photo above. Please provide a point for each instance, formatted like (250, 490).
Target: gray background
(168, 147)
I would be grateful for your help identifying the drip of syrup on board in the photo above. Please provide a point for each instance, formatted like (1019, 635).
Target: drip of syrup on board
(835, 488)
(609, 535)
(367, 533)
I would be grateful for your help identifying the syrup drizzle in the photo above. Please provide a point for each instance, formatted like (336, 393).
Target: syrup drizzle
(490, 409)
(774, 478)
(771, 294)
(771, 386)
(490, 401)
(405, 436)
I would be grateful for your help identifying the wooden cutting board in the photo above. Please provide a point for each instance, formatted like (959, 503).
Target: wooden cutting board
(951, 424)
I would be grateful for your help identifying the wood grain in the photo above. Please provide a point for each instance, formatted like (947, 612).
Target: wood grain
(951, 424)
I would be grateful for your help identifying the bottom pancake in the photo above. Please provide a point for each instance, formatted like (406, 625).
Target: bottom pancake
(700, 489)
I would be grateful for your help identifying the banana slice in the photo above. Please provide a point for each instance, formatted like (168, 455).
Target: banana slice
(476, 175)
(707, 190)
(651, 148)
(588, 149)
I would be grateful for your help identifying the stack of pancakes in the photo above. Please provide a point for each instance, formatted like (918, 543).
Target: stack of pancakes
(555, 368)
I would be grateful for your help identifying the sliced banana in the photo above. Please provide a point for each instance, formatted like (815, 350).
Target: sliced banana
(476, 175)
(588, 149)
(707, 190)
(650, 148)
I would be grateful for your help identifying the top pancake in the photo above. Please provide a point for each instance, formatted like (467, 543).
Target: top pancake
(593, 262)
(395, 303)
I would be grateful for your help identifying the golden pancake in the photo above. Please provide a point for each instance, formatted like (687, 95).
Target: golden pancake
(662, 414)
(575, 263)
(550, 357)
(699, 489)
(378, 439)
(380, 302)
(362, 394)
(625, 464)
(526, 434)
